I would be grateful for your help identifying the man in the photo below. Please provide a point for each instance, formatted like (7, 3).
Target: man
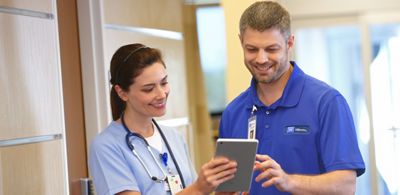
(307, 138)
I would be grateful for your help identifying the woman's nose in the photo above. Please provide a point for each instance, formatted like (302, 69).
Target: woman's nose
(162, 91)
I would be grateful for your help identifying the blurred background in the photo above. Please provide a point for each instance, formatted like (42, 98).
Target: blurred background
(54, 60)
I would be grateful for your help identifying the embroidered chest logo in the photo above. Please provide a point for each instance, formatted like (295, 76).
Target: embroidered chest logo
(297, 129)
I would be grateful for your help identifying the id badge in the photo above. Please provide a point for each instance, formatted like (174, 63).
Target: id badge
(175, 183)
(251, 131)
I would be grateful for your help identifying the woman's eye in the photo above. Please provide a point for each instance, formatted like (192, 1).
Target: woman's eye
(147, 90)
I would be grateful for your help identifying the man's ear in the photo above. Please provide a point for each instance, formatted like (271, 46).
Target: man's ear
(290, 41)
(121, 93)
(240, 39)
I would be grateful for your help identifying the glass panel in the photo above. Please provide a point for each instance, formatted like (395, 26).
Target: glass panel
(385, 86)
(211, 34)
(333, 55)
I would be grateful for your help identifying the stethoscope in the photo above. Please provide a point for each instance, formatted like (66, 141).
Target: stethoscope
(132, 148)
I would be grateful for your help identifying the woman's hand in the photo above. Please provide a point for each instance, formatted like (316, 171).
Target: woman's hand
(213, 173)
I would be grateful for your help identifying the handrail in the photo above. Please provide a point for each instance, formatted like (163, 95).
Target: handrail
(29, 140)
(26, 12)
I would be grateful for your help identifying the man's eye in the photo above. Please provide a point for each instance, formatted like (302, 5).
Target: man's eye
(252, 50)
(273, 49)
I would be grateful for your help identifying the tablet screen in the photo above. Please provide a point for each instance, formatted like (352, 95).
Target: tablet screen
(243, 151)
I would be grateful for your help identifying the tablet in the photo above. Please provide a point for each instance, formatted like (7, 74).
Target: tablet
(243, 151)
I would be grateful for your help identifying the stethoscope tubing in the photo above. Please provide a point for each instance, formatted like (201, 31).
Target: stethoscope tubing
(132, 148)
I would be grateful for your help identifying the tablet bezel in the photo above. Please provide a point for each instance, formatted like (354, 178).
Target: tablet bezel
(243, 151)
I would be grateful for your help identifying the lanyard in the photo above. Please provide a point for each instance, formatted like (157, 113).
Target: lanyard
(252, 124)
(164, 156)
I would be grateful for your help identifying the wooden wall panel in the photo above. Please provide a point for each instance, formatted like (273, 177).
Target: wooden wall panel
(29, 77)
(73, 94)
(145, 13)
(31, 100)
(32, 169)
(173, 54)
(36, 5)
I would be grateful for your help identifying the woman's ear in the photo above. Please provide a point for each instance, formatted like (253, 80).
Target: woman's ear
(121, 93)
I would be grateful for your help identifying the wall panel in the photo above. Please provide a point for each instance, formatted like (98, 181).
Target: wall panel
(72, 90)
(30, 77)
(32, 169)
(32, 129)
(36, 5)
(144, 13)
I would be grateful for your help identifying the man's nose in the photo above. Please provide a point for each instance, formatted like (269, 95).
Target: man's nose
(262, 57)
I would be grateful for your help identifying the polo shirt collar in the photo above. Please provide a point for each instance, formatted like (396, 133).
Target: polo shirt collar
(291, 94)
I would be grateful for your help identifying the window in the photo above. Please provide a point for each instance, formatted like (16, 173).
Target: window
(385, 88)
(211, 34)
(333, 55)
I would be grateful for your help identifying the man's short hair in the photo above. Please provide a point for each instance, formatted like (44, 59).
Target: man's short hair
(264, 15)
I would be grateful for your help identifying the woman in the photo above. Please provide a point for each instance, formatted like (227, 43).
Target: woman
(134, 155)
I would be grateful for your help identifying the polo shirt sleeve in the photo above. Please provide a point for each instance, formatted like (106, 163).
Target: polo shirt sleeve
(108, 167)
(338, 140)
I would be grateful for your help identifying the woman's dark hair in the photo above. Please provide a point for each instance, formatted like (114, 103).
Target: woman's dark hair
(126, 64)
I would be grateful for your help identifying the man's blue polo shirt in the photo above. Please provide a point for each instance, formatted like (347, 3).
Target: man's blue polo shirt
(309, 130)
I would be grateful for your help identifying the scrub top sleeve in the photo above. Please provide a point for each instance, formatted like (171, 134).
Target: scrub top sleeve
(338, 140)
(190, 163)
(110, 171)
